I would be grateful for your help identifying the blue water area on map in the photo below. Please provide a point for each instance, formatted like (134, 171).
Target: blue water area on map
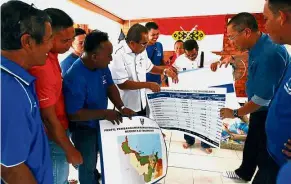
(145, 144)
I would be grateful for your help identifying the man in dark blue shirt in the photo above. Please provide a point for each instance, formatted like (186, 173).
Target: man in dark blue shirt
(154, 50)
(78, 46)
(87, 86)
(25, 41)
(278, 125)
(266, 65)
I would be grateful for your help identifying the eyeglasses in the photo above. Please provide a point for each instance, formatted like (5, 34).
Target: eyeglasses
(234, 37)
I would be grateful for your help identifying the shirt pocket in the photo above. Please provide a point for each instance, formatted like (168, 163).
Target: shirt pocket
(141, 67)
(129, 66)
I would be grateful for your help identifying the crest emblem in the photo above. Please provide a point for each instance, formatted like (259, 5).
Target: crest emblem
(141, 121)
(287, 86)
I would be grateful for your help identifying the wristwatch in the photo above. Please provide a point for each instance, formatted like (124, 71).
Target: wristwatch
(235, 113)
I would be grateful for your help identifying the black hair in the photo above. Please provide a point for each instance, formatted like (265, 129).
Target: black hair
(19, 18)
(151, 25)
(135, 33)
(179, 41)
(277, 5)
(190, 45)
(79, 31)
(60, 19)
(94, 39)
(244, 20)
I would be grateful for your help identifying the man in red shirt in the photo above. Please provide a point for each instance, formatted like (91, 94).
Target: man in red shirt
(51, 99)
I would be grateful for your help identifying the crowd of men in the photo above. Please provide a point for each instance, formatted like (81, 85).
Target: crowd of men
(58, 105)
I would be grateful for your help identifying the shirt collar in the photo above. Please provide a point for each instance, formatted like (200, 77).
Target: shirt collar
(53, 56)
(74, 55)
(126, 47)
(16, 70)
(259, 43)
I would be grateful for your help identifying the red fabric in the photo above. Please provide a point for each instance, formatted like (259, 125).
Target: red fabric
(210, 25)
(171, 60)
(49, 87)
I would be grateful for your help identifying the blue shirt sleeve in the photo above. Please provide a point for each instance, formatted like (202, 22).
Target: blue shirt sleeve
(162, 51)
(268, 74)
(109, 77)
(74, 90)
(16, 136)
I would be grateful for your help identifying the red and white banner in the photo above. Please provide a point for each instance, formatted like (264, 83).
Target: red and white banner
(213, 27)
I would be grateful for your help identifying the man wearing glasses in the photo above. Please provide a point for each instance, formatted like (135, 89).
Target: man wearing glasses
(266, 65)
(129, 67)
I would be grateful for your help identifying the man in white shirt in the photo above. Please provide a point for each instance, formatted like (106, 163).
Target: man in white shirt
(193, 58)
(129, 67)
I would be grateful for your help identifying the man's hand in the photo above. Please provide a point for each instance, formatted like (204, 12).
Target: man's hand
(214, 66)
(170, 72)
(287, 150)
(128, 112)
(113, 116)
(74, 157)
(154, 87)
(226, 61)
(226, 113)
(174, 69)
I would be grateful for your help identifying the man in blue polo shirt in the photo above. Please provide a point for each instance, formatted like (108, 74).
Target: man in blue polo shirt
(25, 41)
(278, 124)
(87, 86)
(266, 65)
(77, 46)
(154, 51)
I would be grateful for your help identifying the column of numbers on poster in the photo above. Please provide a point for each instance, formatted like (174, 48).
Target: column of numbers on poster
(194, 112)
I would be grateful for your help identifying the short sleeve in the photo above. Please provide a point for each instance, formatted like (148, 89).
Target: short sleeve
(149, 64)
(268, 74)
(74, 90)
(45, 88)
(109, 77)
(162, 51)
(16, 137)
(118, 69)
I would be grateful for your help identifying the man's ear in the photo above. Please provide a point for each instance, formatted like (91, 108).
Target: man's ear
(26, 41)
(283, 17)
(248, 31)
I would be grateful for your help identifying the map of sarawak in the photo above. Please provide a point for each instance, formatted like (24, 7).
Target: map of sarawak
(141, 156)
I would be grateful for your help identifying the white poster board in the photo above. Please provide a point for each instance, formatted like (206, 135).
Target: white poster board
(133, 152)
(194, 112)
(203, 78)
